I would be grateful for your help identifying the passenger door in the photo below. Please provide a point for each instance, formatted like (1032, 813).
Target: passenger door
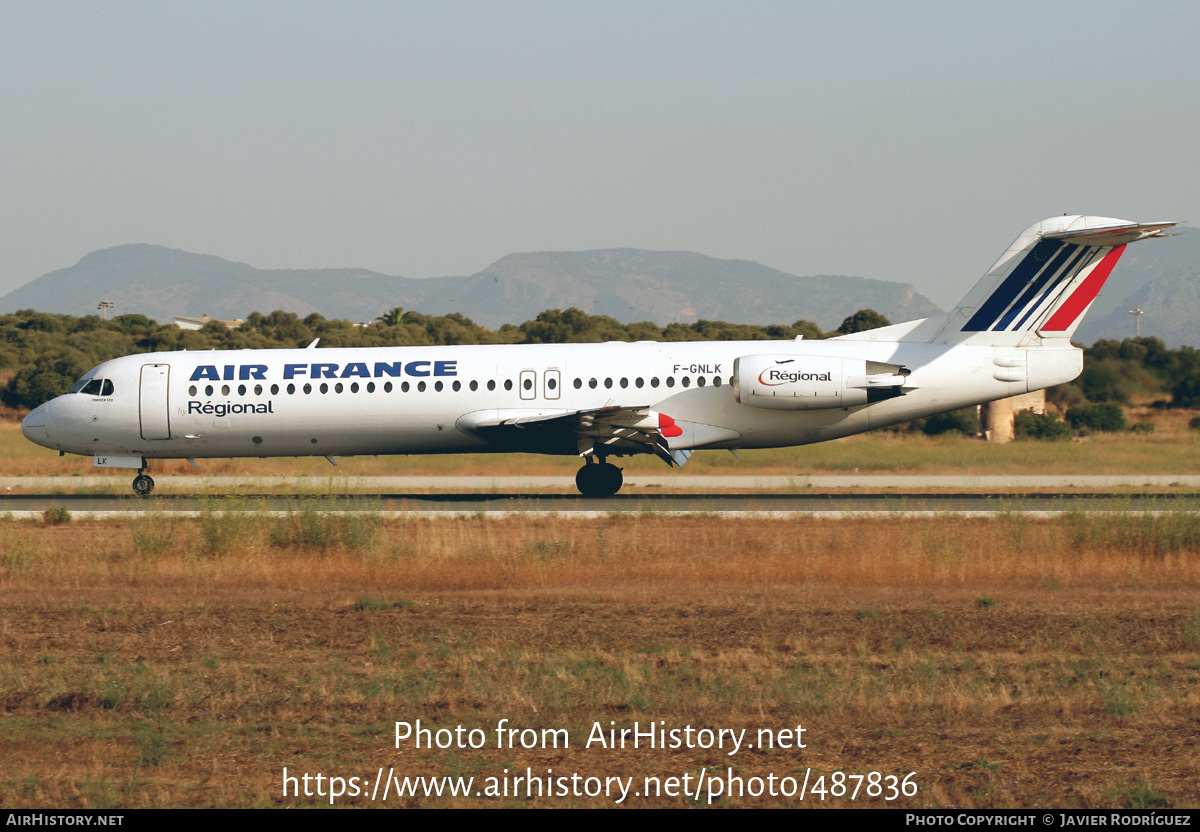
(152, 402)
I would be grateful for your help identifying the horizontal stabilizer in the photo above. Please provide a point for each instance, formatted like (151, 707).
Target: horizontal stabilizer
(1119, 234)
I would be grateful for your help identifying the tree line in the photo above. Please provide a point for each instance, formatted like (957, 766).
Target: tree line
(42, 354)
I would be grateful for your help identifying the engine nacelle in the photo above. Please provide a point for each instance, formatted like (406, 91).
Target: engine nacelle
(814, 382)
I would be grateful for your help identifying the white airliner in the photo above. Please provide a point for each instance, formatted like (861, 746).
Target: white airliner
(1011, 334)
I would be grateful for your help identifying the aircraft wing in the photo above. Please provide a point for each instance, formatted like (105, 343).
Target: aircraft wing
(611, 429)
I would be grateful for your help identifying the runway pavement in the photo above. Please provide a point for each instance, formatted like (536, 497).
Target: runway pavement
(504, 503)
(186, 483)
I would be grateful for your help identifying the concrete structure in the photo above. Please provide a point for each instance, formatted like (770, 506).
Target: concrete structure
(996, 419)
(198, 323)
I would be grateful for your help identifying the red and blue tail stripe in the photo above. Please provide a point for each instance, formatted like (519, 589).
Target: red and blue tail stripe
(1040, 287)
(1037, 284)
(1070, 310)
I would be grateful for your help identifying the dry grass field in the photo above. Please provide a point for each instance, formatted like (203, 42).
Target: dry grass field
(1011, 662)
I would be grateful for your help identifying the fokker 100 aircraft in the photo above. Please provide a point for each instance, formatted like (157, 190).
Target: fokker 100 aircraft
(1011, 334)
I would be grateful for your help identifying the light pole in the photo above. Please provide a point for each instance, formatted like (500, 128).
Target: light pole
(1137, 321)
(104, 306)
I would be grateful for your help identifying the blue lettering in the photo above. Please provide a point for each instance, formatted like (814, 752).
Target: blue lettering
(207, 371)
(356, 369)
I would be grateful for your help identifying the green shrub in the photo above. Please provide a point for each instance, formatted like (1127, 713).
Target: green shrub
(1142, 427)
(1186, 392)
(368, 604)
(861, 321)
(965, 421)
(1111, 380)
(1044, 426)
(1097, 417)
(56, 516)
(323, 529)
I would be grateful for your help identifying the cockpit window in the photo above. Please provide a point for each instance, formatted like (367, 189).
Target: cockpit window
(77, 386)
(94, 387)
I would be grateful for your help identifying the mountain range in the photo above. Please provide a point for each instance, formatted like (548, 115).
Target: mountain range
(628, 284)
(1161, 277)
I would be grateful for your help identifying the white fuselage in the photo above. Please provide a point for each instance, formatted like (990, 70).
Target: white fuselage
(418, 400)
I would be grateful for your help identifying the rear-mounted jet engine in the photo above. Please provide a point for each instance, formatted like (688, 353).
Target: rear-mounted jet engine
(814, 382)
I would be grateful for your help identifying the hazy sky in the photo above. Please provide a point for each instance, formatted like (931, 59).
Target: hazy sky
(900, 141)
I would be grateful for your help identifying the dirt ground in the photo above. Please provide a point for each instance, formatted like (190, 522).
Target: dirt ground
(938, 664)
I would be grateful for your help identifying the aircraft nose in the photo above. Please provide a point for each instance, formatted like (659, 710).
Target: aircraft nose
(34, 425)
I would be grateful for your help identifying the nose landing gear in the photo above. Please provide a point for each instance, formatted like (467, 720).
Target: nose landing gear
(143, 485)
(598, 479)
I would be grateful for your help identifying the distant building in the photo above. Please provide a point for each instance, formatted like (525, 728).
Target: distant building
(198, 323)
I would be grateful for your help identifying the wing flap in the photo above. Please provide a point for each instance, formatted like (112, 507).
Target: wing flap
(612, 428)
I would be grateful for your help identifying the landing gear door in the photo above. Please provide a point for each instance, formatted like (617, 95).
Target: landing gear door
(152, 402)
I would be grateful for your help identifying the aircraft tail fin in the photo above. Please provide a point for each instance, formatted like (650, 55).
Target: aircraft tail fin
(1042, 285)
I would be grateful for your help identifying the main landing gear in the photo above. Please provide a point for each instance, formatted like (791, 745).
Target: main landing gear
(143, 485)
(598, 479)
